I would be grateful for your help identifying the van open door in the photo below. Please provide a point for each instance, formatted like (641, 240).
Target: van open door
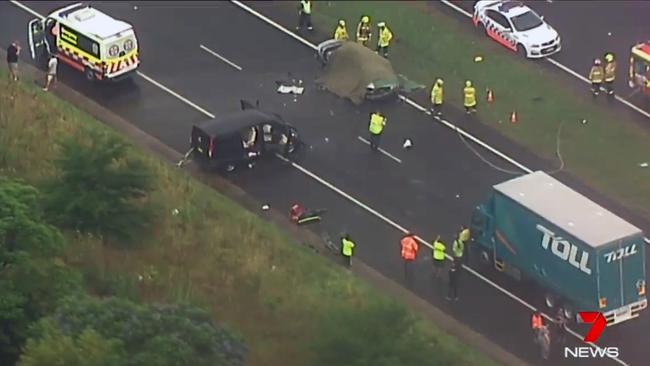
(36, 33)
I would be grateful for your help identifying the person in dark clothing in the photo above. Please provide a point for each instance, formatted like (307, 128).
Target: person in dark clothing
(454, 278)
(13, 51)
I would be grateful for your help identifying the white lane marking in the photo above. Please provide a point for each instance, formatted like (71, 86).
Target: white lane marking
(381, 150)
(561, 66)
(27, 9)
(180, 97)
(457, 8)
(220, 57)
(274, 24)
(332, 187)
(469, 136)
(309, 44)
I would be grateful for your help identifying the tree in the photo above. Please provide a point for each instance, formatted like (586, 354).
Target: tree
(54, 348)
(382, 333)
(153, 335)
(101, 188)
(32, 276)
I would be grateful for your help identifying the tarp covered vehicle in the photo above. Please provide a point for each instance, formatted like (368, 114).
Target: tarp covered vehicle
(355, 72)
(241, 138)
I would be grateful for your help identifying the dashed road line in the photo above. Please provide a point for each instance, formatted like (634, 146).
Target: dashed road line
(178, 96)
(381, 150)
(213, 53)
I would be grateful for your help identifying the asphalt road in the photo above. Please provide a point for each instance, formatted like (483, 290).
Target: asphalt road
(588, 31)
(431, 191)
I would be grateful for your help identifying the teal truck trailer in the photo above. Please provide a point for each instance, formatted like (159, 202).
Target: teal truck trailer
(582, 256)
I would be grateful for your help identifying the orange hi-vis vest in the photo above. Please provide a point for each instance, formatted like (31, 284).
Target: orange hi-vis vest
(536, 321)
(409, 248)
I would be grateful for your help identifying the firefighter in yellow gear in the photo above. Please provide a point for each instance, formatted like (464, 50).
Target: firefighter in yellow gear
(469, 97)
(438, 252)
(304, 15)
(364, 31)
(341, 32)
(464, 236)
(385, 36)
(376, 127)
(437, 95)
(596, 75)
(610, 72)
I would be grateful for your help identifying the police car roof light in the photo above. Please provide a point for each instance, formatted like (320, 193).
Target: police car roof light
(509, 4)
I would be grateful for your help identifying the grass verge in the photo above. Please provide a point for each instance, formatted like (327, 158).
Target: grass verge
(214, 253)
(605, 152)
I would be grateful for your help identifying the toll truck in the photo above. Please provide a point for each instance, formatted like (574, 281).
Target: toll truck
(579, 255)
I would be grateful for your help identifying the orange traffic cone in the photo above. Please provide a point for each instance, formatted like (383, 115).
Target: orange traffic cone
(513, 117)
(490, 96)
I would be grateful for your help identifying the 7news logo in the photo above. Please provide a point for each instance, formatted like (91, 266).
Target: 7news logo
(598, 323)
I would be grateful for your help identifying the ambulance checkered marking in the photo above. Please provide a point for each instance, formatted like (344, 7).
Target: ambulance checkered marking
(80, 59)
(119, 65)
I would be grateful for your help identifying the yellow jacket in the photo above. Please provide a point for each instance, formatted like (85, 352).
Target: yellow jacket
(436, 94)
(469, 96)
(596, 74)
(385, 36)
(341, 33)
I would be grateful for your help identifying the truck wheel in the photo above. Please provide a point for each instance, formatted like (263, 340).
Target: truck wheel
(569, 313)
(550, 300)
(484, 258)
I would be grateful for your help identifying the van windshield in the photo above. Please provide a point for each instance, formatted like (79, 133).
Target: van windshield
(118, 47)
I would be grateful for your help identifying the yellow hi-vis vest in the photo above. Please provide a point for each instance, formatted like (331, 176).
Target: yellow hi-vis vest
(341, 33)
(438, 250)
(384, 37)
(610, 71)
(596, 74)
(457, 248)
(305, 6)
(436, 94)
(377, 123)
(346, 247)
(469, 99)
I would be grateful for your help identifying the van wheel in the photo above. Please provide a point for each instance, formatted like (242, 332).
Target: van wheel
(90, 74)
(521, 51)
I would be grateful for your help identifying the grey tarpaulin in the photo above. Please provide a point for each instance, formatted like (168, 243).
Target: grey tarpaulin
(351, 68)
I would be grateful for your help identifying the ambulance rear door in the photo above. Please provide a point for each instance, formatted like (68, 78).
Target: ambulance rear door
(37, 46)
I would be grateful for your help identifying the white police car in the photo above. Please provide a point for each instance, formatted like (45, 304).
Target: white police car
(516, 26)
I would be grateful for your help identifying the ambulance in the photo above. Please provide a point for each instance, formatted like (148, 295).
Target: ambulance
(640, 68)
(88, 40)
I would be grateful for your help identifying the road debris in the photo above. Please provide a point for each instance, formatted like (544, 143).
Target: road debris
(407, 144)
(175, 212)
(265, 207)
(643, 165)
